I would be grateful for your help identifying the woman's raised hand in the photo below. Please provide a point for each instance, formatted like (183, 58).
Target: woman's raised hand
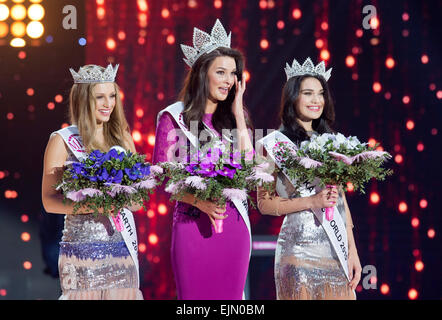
(237, 105)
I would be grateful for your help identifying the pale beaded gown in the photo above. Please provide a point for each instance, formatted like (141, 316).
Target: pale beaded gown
(94, 262)
(306, 265)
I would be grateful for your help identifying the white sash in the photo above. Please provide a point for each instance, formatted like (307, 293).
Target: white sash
(335, 229)
(73, 140)
(176, 110)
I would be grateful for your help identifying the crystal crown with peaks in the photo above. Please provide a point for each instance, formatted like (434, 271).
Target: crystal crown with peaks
(307, 67)
(206, 43)
(94, 74)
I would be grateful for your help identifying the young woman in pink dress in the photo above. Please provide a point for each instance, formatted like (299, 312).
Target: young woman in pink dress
(208, 265)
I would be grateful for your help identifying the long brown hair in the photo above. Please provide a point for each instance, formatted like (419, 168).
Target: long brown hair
(288, 115)
(82, 114)
(195, 92)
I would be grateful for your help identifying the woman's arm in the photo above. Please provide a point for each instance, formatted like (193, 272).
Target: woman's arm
(244, 141)
(131, 145)
(278, 206)
(54, 158)
(354, 265)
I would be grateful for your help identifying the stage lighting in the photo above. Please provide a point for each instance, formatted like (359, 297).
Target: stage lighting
(415, 222)
(36, 12)
(142, 5)
(111, 44)
(247, 75)
(165, 13)
(162, 209)
(325, 55)
(170, 39)
(374, 198)
(153, 239)
(151, 140)
(406, 99)
(412, 294)
(27, 265)
(377, 87)
(18, 29)
(139, 113)
(431, 233)
(350, 61)
(21, 19)
(4, 29)
(297, 14)
(136, 135)
(319, 43)
(398, 158)
(390, 63)
(25, 236)
(150, 213)
(17, 43)
(264, 43)
(385, 289)
(4, 12)
(18, 12)
(142, 247)
(101, 13)
(402, 207)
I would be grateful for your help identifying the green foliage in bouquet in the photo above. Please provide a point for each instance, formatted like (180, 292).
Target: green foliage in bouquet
(334, 160)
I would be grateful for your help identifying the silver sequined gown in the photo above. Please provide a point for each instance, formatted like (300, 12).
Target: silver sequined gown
(306, 266)
(94, 261)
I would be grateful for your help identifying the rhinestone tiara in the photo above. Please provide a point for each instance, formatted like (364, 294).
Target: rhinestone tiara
(206, 43)
(94, 74)
(307, 67)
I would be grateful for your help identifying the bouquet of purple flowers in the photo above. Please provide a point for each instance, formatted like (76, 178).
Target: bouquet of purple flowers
(111, 181)
(217, 176)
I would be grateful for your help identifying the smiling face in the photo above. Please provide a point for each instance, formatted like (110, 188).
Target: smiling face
(221, 75)
(310, 103)
(104, 96)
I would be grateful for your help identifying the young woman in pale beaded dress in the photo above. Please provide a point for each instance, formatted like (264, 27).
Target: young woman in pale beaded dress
(306, 265)
(94, 261)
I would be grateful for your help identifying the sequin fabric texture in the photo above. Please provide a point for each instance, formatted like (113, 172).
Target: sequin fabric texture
(306, 266)
(94, 256)
(94, 262)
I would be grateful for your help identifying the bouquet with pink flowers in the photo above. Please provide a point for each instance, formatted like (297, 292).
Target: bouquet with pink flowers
(333, 159)
(217, 176)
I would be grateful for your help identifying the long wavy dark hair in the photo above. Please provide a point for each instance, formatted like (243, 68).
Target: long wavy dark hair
(288, 115)
(195, 92)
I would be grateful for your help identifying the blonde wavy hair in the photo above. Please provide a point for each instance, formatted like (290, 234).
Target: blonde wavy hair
(82, 114)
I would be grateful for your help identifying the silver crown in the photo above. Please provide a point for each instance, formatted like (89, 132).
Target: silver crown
(206, 43)
(94, 74)
(307, 67)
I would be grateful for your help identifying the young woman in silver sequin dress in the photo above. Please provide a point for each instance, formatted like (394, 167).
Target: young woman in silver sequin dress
(94, 261)
(306, 265)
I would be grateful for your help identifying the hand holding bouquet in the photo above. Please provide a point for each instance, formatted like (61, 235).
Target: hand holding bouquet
(216, 176)
(109, 181)
(333, 159)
